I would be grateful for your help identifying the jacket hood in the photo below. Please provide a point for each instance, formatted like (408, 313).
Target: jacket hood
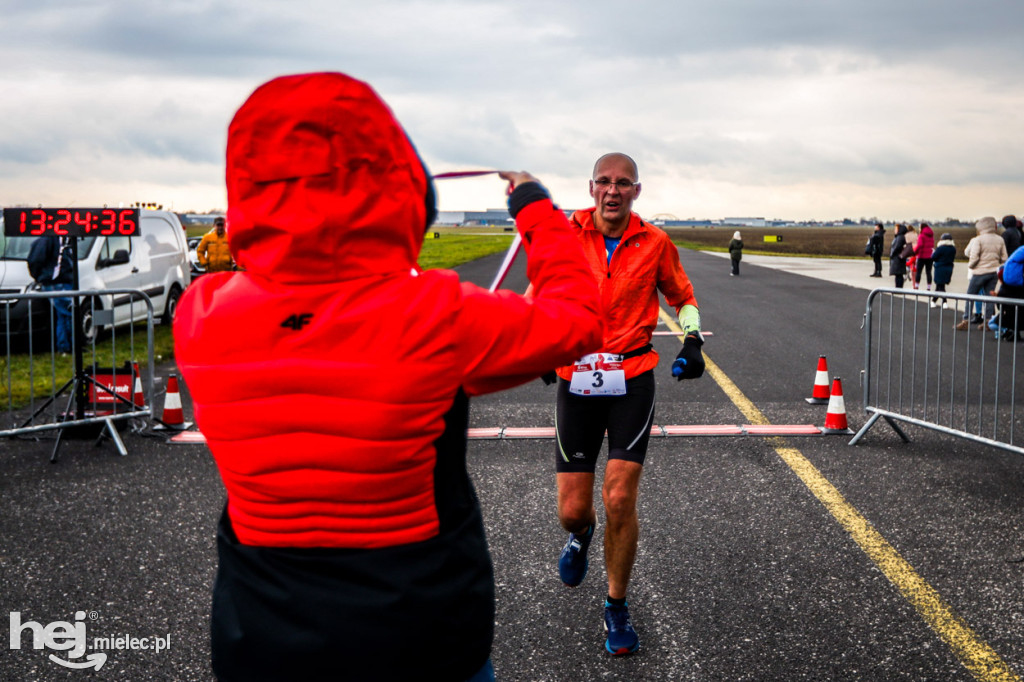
(986, 225)
(323, 184)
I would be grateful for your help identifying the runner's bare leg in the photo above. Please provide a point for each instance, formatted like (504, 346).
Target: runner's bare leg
(576, 501)
(622, 531)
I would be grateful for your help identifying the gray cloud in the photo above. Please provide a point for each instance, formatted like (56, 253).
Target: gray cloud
(746, 93)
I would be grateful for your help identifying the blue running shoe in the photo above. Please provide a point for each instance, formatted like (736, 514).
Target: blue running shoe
(572, 562)
(622, 638)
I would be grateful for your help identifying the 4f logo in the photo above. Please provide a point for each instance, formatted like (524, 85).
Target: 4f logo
(297, 322)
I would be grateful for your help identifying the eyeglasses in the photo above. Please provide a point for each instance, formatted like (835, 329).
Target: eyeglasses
(622, 185)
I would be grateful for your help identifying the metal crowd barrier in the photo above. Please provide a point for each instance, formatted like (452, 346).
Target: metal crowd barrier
(918, 369)
(88, 389)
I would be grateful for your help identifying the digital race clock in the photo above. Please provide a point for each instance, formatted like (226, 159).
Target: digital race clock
(70, 222)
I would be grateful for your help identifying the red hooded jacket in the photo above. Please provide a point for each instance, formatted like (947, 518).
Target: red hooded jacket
(330, 380)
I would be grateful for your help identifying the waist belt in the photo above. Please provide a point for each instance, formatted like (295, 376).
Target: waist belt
(636, 352)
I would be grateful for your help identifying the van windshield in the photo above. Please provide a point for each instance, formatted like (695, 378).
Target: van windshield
(17, 248)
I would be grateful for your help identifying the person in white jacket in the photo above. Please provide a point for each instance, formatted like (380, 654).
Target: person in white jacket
(985, 254)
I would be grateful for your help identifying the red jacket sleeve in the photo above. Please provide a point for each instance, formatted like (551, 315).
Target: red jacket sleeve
(507, 339)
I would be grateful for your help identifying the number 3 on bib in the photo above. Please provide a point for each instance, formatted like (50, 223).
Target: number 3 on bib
(598, 374)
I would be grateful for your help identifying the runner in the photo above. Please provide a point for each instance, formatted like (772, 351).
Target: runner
(614, 390)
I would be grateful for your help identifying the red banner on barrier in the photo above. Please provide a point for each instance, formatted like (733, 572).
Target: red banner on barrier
(110, 381)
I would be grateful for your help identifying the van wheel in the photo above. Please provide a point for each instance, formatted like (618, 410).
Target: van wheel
(89, 330)
(172, 305)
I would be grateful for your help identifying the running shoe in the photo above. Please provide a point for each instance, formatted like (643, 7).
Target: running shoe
(622, 638)
(572, 562)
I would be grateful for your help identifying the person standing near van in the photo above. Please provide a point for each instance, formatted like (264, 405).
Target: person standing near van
(736, 253)
(213, 251)
(51, 265)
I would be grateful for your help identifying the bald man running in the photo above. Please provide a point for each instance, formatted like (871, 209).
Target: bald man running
(614, 390)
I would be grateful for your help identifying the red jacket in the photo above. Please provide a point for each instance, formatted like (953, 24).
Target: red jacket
(329, 377)
(925, 246)
(645, 262)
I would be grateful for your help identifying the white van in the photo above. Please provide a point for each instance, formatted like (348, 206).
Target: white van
(155, 262)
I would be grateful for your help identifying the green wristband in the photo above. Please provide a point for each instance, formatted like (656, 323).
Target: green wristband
(689, 319)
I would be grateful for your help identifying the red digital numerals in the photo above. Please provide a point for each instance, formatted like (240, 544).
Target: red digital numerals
(78, 222)
(126, 224)
(84, 221)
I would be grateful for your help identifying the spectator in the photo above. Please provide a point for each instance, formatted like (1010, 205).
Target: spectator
(875, 248)
(942, 259)
(736, 253)
(987, 253)
(970, 273)
(1011, 286)
(1012, 236)
(213, 251)
(897, 261)
(923, 256)
(331, 379)
(911, 238)
(51, 265)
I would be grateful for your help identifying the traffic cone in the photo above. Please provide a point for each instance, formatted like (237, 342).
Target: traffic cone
(820, 394)
(835, 418)
(173, 416)
(139, 397)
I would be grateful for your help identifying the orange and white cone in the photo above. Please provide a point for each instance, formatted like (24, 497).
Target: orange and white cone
(835, 418)
(173, 416)
(820, 394)
(139, 397)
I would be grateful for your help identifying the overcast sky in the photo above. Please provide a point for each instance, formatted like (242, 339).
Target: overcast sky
(783, 109)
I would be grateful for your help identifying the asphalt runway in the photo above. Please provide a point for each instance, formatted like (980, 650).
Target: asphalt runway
(797, 558)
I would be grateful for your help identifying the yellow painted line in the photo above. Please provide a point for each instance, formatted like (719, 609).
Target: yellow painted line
(974, 653)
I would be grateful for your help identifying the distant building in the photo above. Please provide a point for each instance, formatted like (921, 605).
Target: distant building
(746, 222)
(450, 217)
(492, 216)
(675, 222)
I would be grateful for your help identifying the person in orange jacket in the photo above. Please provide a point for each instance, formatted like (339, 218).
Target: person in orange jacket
(613, 390)
(213, 251)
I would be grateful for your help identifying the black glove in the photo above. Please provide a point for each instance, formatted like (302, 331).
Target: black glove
(549, 378)
(689, 364)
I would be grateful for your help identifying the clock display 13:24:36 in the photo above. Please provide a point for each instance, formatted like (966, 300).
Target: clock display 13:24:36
(72, 222)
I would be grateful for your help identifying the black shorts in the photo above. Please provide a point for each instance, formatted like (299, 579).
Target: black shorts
(581, 422)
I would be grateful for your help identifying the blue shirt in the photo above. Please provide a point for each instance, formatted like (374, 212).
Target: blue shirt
(610, 244)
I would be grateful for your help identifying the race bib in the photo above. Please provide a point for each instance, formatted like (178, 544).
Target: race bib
(598, 374)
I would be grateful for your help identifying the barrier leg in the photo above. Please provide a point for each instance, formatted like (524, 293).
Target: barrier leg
(110, 430)
(897, 429)
(874, 417)
(864, 429)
